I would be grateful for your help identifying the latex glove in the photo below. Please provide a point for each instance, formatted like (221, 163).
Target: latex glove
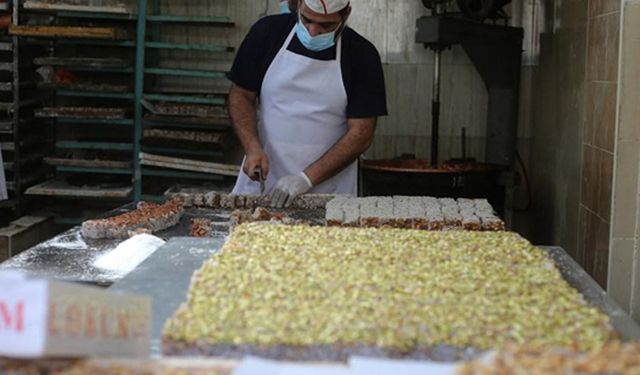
(288, 188)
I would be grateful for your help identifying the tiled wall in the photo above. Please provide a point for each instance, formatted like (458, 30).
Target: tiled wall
(573, 109)
(598, 140)
(556, 106)
(624, 268)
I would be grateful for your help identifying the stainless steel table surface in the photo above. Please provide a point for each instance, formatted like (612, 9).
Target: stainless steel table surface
(165, 276)
(593, 293)
(70, 257)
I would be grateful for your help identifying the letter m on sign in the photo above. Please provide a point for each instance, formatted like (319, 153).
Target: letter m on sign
(12, 316)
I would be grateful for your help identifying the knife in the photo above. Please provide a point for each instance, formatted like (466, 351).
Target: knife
(258, 173)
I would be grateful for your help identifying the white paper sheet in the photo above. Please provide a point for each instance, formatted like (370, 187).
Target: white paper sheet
(12, 275)
(312, 370)
(23, 312)
(369, 366)
(356, 366)
(257, 366)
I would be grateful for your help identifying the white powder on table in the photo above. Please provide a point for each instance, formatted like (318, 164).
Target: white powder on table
(71, 241)
(129, 254)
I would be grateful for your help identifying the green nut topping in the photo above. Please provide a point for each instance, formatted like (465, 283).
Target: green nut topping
(390, 288)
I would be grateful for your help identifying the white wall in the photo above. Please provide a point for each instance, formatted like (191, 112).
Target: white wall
(390, 26)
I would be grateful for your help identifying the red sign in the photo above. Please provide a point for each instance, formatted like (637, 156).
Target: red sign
(12, 316)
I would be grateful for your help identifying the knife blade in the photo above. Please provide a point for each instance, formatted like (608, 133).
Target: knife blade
(258, 173)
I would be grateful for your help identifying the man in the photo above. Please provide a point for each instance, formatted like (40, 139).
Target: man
(320, 89)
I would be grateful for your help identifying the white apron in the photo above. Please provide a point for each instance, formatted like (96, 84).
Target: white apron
(3, 181)
(303, 106)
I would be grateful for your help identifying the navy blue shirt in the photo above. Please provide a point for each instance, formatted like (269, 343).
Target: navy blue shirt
(361, 66)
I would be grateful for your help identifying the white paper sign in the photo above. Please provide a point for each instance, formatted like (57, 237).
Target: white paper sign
(312, 370)
(11, 275)
(356, 366)
(257, 366)
(23, 317)
(46, 318)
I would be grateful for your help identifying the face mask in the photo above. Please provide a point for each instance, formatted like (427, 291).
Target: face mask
(284, 7)
(315, 43)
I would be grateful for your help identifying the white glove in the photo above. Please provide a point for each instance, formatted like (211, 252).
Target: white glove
(288, 188)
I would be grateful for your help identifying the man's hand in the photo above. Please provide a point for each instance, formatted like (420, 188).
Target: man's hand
(254, 159)
(288, 188)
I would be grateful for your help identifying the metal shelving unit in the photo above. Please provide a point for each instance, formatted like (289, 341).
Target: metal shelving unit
(187, 99)
(210, 21)
(122, 122)
(88, 76)
(94, 145)
(189, 47)
(163, 160)
(161, 133)
(185, 73)
(24, 139)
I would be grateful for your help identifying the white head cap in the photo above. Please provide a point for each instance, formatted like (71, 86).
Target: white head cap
(326, 6)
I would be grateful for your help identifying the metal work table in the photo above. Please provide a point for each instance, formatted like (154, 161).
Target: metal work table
(594, 294)
(166, 274)
(165, 277)
(70, 257)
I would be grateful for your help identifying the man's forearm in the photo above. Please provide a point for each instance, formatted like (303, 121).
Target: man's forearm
(242, 109)
(355, 142)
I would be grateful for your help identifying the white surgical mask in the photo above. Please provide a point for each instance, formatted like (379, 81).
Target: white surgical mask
(315, 43)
